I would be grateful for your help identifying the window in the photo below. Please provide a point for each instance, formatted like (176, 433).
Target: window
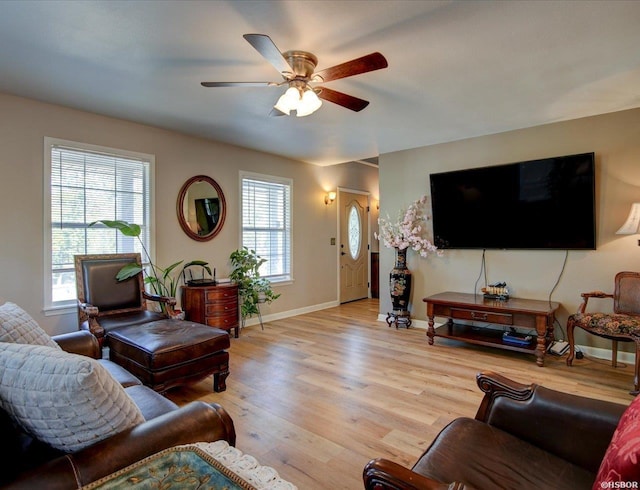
(354, 232)
(86, 183)
(266, 222)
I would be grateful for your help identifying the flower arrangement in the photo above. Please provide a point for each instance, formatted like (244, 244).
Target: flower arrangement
(408, 231)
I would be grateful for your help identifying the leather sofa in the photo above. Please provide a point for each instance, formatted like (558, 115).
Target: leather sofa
(522, 437)
(28, 463)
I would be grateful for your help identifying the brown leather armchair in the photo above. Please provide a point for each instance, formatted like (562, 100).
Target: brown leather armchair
(104, 303)
(26, 463)
(522, 437)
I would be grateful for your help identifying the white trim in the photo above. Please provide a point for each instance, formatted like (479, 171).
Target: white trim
(369, 164)
(339, 191)
(62, 308)
(242, 174)
(287, 314)
(600, 353)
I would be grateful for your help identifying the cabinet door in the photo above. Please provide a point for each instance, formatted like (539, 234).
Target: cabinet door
(193, 304)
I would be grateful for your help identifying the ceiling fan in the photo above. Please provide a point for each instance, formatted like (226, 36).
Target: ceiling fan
(297, 70)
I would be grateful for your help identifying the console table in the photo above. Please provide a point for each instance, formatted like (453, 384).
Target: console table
(527, 313)
(216, 306)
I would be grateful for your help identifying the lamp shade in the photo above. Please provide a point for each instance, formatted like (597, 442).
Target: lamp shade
(288, 101)
(632, 225)
(308, 104)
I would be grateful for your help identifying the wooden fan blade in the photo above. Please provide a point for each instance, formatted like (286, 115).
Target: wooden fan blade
(237, 84)
(267, 48)
(370, 62)
(348, 101)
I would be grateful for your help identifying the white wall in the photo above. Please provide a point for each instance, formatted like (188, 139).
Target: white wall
(25, 123)
(615, 139)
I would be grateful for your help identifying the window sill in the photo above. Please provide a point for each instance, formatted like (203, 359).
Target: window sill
(60, 310)
(282, 282)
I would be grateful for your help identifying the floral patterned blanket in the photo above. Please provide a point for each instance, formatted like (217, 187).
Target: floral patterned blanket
(211, 466)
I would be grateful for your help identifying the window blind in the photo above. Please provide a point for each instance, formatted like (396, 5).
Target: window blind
(88, 186)
(266, 224)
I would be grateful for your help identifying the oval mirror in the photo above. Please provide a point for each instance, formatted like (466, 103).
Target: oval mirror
(201, 208)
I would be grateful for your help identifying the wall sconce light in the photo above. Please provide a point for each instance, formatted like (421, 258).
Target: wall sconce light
(632, 225)
(329, 198)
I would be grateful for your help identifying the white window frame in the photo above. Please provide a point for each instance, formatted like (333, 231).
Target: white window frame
(64, 307)
(285, 278)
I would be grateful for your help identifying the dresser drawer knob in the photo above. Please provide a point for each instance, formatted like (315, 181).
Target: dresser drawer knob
(479, 316)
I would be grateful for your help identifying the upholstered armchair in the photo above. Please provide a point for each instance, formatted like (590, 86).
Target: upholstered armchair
(106, 304)
(623, 325)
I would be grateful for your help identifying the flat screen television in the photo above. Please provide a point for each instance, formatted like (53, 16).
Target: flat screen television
(538, 204)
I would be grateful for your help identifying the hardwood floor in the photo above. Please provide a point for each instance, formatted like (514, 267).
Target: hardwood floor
(317, 396)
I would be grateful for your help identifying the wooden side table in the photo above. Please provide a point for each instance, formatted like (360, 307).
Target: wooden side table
(216, 306)
(528, 313)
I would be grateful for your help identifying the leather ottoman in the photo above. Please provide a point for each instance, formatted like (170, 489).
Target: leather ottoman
(168, 353)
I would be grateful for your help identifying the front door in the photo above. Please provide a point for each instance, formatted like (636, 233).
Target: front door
(354, 246)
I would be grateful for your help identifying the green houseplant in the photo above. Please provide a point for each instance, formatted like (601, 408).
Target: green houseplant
(252, 288)
(163, 281)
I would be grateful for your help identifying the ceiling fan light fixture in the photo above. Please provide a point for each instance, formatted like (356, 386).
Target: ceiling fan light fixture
(288, 101)
(308, 104)
(297, 68)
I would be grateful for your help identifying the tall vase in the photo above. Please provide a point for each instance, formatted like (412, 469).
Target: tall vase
(400, 290)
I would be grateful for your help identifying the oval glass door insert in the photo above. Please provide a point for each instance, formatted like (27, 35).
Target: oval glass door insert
(355, 232)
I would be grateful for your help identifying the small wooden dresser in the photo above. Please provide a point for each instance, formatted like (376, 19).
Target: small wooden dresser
(216, 306)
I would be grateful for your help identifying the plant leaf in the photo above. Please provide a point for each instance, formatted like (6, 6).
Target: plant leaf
(168, 270)
(127, 229)
(128, 271)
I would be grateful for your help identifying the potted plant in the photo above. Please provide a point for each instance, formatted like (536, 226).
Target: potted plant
(163, 282)
(252, 288)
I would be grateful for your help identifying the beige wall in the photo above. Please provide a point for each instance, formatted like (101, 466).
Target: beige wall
(25, 123)
(615, 139)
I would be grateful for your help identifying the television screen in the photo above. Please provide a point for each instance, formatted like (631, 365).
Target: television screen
(539, 204)
(207, 214)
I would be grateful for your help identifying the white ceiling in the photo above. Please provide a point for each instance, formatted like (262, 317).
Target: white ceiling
(457, 69)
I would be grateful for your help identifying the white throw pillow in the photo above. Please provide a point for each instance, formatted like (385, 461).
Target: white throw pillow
(17, 326)
(66, 400)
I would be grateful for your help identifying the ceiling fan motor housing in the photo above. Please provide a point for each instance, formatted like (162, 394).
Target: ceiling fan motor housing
(302, 63)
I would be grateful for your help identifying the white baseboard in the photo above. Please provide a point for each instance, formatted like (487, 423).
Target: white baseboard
(286, 314)
(598, 352)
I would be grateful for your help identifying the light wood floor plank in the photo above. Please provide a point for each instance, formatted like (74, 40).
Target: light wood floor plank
(317, 396)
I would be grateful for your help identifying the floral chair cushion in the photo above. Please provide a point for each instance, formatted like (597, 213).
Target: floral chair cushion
(609, 324)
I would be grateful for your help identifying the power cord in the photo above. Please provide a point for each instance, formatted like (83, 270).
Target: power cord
(483, 268)
(564, 264)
